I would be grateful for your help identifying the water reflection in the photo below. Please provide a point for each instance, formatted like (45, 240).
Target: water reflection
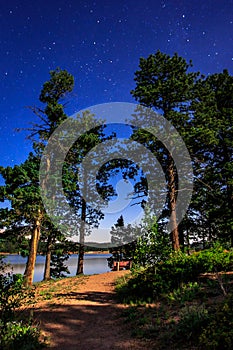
(93, 263)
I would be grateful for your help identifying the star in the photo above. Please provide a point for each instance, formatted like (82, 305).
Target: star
(101, 43)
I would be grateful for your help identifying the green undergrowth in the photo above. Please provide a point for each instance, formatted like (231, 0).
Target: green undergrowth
(18, 331)
(203, 320)
(185, 302)
(178, 271)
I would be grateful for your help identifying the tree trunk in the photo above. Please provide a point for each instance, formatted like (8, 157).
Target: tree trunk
(188, 241)
(47, 275)
(229, 186)
(30, 266)
(181, 236)
(82, 238)
(172, 202)
(80, 260)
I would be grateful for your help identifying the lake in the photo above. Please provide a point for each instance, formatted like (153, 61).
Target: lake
(93, 263)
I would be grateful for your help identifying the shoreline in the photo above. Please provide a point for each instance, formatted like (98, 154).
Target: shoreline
(89, 252)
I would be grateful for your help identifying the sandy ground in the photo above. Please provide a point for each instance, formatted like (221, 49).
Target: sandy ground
(83, 314)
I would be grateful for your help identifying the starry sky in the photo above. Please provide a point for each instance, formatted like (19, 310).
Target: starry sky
(100, 43)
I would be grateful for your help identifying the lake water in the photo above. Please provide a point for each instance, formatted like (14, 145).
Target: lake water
(93, 263)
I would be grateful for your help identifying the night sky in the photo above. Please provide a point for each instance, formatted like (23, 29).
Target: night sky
(100, 43)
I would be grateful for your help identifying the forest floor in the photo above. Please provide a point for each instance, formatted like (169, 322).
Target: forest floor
(83, 313)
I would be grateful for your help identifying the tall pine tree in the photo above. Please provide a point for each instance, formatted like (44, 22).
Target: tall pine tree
(164, 84)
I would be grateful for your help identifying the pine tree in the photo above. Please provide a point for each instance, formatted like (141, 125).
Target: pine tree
(213, 150)
(22, 182)
(164, 84)
(78, 180)
(26, 213)
(53, 92)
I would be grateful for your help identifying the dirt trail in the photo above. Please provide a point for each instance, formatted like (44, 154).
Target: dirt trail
(85, 316)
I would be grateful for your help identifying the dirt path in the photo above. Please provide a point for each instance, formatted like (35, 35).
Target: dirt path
(83, 314)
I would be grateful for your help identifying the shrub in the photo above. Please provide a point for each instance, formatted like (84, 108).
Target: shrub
(16, 335)
(218, 334)
(174, 272)
(58, 267)
(214, 259)
(139, 288)
(192, 320)
(187, 292)
(153, 246)
(13, 293)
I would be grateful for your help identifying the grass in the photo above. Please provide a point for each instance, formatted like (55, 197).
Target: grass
(56, 289)
(175, 320)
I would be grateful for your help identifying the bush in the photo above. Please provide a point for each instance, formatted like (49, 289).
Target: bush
(15, 333)
(58, 268)
(12, 295)
(173, 273)
(187, 292)
(153, 246)
(192, 320)
(218, 334)
(214, 259)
